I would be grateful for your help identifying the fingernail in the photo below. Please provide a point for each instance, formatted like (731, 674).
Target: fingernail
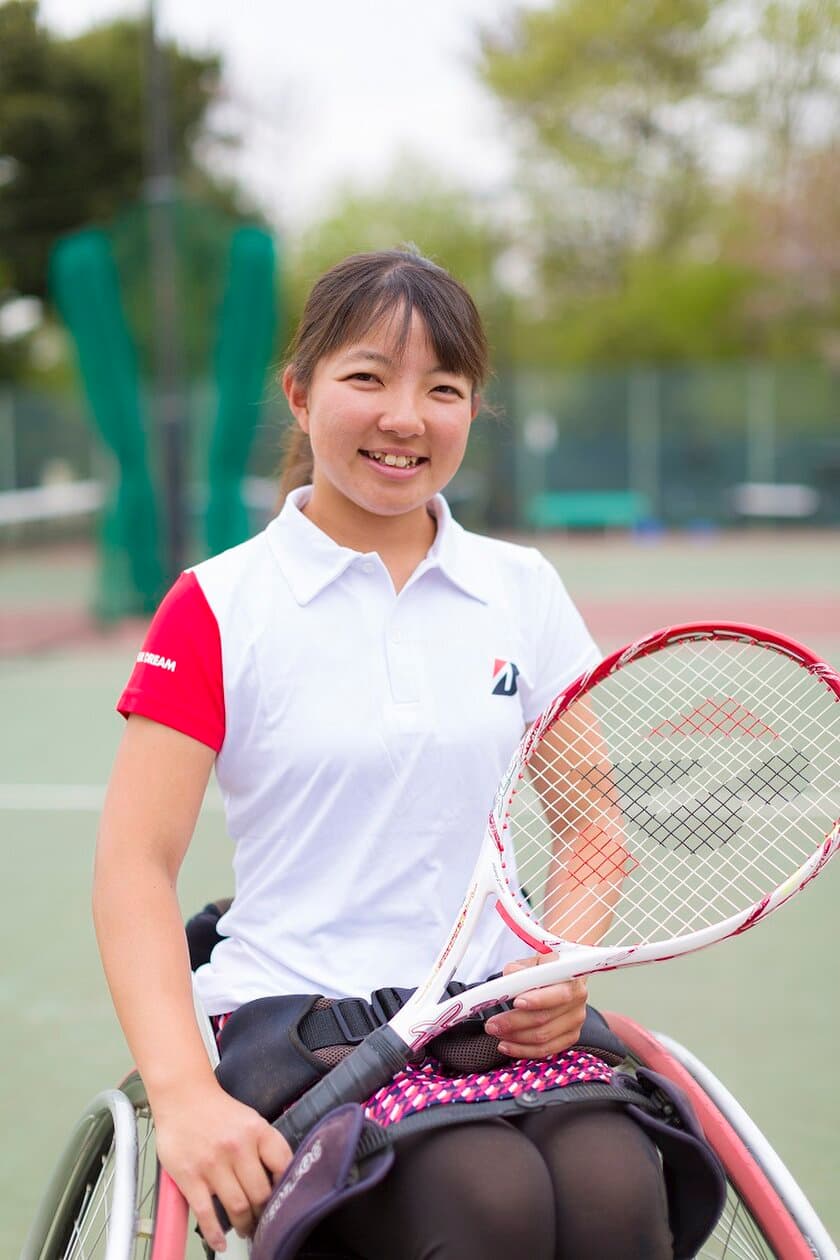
(504, 1048)
(492, 1027)
(521, 1004)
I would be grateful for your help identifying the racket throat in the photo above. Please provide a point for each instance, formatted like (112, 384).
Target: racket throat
(534, 942)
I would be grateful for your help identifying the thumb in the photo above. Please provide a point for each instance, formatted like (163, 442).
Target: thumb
(520, 964)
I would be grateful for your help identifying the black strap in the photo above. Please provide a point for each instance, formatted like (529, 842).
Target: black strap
(374, 1136)
(347, 1021)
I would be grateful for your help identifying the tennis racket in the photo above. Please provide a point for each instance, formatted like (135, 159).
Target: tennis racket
(671, 797)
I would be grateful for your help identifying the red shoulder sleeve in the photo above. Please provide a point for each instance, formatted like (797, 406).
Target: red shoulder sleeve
(177, 679)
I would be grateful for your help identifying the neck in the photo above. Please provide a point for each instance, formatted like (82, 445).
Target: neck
(400, 541)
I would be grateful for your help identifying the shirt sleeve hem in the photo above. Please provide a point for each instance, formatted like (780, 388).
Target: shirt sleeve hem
(134, 701)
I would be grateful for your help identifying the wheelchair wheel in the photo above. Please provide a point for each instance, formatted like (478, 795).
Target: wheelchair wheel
(105, 1200)
(767, 1216)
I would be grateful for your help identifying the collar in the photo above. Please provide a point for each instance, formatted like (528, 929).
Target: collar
(310, 560)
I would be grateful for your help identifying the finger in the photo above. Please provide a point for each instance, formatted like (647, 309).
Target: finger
(539, 1043)
(537, 1015)
(235, 1201)
(540, 1028)
(274, 1151)
(563, 994)
(204, 1210)
(520, 964)
(564, 1000)
(257, 1183)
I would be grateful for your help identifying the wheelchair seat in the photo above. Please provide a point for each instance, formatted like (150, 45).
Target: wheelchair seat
(107, 1198)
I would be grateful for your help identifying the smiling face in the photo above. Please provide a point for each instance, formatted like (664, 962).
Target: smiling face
(388, 427)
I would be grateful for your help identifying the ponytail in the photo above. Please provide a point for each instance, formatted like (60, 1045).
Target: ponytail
(296, 467)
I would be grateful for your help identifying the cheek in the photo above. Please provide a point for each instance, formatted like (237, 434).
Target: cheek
(457, 439)
(336, 428)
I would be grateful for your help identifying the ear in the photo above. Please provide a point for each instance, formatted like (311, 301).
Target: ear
(297, 396)
(476, 406)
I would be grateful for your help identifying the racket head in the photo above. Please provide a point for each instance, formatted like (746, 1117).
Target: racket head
(673, 795)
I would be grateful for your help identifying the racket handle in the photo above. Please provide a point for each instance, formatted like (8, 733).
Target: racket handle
(365, 1070)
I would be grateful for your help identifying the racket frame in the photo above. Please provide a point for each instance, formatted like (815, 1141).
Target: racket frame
(390, 1047)
(426, 1014)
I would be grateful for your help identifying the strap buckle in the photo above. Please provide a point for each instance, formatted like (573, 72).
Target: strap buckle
(354, 1018)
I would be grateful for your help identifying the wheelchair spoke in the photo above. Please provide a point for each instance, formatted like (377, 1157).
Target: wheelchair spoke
(90, 1230)
(736, 1236)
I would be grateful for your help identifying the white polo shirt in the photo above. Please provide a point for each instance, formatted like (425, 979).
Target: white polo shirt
(360, 737)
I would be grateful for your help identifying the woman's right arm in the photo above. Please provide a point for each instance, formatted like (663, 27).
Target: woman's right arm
(207, 1141)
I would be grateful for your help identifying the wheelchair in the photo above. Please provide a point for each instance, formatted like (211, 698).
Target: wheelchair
(109, 1199)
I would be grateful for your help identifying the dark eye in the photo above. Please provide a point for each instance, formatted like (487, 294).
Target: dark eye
(448, 389)
(365, 377)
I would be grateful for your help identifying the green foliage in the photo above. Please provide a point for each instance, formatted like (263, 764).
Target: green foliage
(651, 130)
(593, 80)
(71, 121)
(607, 94)
(412, 206)
(665, 310)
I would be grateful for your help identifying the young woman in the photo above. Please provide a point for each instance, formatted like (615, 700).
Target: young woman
(358, 675)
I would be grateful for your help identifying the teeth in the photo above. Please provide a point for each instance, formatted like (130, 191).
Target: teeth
(394, 461)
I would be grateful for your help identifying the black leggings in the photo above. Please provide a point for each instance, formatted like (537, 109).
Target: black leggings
(567, 1183)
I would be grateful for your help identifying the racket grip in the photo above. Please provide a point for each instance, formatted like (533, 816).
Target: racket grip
(365, 1070)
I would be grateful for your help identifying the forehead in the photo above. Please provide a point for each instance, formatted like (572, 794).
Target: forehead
(391, 339)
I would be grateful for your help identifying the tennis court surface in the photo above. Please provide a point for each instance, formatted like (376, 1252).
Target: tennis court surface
(762, 1010)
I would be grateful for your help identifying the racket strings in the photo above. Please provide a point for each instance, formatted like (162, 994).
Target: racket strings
(682, 789)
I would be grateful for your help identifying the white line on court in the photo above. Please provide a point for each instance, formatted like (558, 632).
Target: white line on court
(65, 797)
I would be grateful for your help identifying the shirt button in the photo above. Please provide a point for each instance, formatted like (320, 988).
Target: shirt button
(367, 567)
(395, 636)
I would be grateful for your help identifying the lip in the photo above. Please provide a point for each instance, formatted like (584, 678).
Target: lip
(389, 470)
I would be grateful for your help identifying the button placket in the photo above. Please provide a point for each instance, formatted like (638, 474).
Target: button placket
(405, 665)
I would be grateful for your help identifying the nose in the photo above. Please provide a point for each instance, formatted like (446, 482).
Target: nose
(403, 416)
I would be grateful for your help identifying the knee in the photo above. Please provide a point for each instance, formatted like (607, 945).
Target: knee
(512, 1214)
(611, 1199)
(489, 1208)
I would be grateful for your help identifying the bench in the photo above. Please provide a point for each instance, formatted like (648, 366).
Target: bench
(587, 509)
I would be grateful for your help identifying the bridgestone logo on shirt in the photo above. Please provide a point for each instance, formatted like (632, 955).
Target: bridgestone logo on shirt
(162, 662)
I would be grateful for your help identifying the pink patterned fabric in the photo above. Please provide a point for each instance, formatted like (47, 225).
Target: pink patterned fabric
(427, 1085)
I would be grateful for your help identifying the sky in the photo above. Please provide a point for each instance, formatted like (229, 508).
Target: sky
(327, 91)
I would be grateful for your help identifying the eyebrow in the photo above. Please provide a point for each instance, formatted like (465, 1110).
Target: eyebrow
(375, 356)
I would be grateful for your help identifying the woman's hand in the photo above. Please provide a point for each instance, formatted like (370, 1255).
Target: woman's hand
(543, 1021)
(210, 1144)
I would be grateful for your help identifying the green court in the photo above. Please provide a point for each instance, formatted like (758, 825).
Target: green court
(762, 1011)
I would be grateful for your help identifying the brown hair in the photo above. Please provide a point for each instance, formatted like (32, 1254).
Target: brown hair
(356, 294)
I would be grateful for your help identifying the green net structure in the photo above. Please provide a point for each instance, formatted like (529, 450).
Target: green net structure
(220, 282)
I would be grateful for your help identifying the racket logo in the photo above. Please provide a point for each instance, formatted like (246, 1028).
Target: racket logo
(505, 675)
(307, 1163)
(716, 716)
(656, 796)
(426, 1030)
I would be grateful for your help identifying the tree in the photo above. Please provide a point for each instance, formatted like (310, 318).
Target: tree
(72, 134)
(790, 240)
(412, 206)
(649, 130)
(609, 99)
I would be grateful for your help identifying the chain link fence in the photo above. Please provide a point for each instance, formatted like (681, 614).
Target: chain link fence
(710, 445)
